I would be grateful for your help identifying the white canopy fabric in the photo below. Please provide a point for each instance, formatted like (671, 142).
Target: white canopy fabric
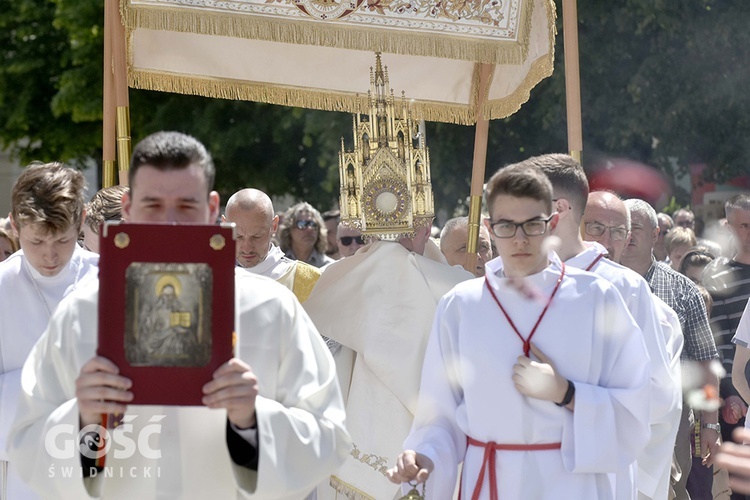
(318, 53)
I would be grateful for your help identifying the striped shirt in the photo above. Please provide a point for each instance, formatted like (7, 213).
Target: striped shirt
(728, 282)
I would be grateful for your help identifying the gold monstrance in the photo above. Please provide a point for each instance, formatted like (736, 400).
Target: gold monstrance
(385, 181)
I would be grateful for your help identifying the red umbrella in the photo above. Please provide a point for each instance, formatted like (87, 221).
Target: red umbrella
(631, 179)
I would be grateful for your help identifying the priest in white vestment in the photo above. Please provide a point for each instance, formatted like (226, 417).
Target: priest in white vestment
(251, 210)
(379, 303)
(272, 424)
(48, 203)
(536, 378)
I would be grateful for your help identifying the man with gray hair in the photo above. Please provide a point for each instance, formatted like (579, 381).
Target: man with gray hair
(453, 240)
(681, 294)
(251, 210)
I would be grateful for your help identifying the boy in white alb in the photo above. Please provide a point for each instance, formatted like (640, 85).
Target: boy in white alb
(533, 377)
(571, 191)
(46, 217)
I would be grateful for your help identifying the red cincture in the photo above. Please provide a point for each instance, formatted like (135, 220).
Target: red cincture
(490, 450)
(527, 341)
(598, 258)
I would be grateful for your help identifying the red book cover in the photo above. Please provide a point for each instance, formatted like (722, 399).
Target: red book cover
(166, 306)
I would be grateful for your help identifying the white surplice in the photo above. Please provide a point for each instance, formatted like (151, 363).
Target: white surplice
(275, 266)
(654, 463)
(380, 303)
(300, 415)
(26, 297)
(296, 275)
(467, 389)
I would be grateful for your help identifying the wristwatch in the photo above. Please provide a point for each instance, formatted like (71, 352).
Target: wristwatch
(568, 395)
(713, 427)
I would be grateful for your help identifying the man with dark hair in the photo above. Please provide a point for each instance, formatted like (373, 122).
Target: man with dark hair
(331, 220)
(571, 194)
(46, 216)
(728, 282)
(684, 217)
(272, 422)
(577, 369)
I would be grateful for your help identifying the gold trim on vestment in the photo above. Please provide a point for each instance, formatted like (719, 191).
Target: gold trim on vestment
(305, 277)
(379, 464)
(348, 490)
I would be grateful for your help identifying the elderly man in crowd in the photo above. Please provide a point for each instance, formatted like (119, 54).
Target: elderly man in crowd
(453, 240)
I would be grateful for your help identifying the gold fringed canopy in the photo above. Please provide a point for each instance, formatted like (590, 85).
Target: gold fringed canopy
(314, 54)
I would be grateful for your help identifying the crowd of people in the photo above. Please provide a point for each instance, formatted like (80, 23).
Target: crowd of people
(597, 349)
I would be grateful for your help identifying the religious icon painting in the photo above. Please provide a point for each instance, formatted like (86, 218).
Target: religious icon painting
(168, 320)
(166, 306)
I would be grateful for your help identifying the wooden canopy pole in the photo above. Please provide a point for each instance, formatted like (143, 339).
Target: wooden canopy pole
(108, 111)
(121, 92)
(572, 79)
(481, 135)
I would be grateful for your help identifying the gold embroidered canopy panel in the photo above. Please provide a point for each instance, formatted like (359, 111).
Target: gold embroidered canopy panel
(318, 53)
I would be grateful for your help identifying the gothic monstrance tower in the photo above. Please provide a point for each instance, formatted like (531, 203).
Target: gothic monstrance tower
(385, 181)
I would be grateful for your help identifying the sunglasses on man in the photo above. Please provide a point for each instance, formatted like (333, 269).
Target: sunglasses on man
(347, 240)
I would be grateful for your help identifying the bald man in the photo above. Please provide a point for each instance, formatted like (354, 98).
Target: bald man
(606, 220)
(453, 240)
(251, 210)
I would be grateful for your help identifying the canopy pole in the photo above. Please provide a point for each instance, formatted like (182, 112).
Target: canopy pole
(121, 92)
(108, 102)
(572, 79)
(481, 134)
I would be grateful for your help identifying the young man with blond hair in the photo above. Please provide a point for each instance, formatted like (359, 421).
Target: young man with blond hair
(524, 366)
(46, 216)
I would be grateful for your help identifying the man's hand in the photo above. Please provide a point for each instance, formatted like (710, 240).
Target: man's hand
(100, 389)
(411, 466)
(539, 379)
(733, 409)
(710, 444)
(234, 387)
(735, 458)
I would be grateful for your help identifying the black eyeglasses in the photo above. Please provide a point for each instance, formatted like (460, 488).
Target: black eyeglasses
(306, 224)
(347, 240)
(508, 229)
(616, 233)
